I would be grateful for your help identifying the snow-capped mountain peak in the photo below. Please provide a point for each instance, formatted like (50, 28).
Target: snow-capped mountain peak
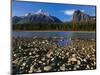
(41, 12)
(38, 17)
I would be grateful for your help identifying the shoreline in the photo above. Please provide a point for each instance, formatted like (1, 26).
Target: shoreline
(47, 31)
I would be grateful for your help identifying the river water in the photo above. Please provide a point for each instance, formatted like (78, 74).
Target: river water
(64, 37)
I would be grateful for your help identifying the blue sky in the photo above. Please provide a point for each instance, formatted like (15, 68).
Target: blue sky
(62, 11)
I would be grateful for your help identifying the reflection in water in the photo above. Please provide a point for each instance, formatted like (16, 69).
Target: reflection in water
(83, 35)
(63, 42)
(62, 38)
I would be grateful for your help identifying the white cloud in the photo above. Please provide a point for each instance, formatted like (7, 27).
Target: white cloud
(70, 12)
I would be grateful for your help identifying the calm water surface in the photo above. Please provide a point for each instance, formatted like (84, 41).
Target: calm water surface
(64, 36)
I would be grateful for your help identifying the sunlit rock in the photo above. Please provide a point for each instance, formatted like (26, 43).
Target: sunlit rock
(47, 68)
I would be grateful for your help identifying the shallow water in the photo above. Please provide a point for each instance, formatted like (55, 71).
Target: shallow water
(84, 35)
(63, 37)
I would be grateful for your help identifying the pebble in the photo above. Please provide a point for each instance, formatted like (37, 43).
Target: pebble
(74, 68)
(78, 62)
(31, 69)
(47, 68)
(43, 59)
(62, 68)
(15, 55)
(40, 61)
(39, 70)
(52, 59)
(19, 47)
(24, 64)
(30, 53)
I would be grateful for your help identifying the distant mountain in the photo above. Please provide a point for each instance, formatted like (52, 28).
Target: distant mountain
(16, 19)
(41, 17)
(38, 17)
(79, 16)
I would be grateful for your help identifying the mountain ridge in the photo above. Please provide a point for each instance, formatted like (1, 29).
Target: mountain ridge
(38, 17)
(41, 17)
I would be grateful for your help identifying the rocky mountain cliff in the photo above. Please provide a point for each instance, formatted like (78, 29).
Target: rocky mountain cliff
(79, 16)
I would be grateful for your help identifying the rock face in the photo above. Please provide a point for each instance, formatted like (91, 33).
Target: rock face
(16, 19)
(79, 16)
(38, 17)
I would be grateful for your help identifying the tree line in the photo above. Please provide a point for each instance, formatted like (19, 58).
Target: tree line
(69, 26)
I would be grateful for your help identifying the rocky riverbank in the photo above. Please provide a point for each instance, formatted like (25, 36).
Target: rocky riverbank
(33, 55)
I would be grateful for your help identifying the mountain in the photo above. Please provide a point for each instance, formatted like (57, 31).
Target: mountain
(41, 17)
(79, 16)
(16, 19)
(38, 17)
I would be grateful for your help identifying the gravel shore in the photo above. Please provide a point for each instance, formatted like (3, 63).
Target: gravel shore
(35, 55)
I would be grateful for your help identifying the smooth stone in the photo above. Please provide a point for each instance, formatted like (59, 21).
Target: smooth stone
(36, 55)
(24, 64)
(19, 47)
(39, 70)
(31, 69)
(52, 59)
(75, 68)
(78, 62)
(15, 55)
(43, 59)
(30, 53)
(47, 68)
(44, 63)
(40, 61)
(62, 67)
